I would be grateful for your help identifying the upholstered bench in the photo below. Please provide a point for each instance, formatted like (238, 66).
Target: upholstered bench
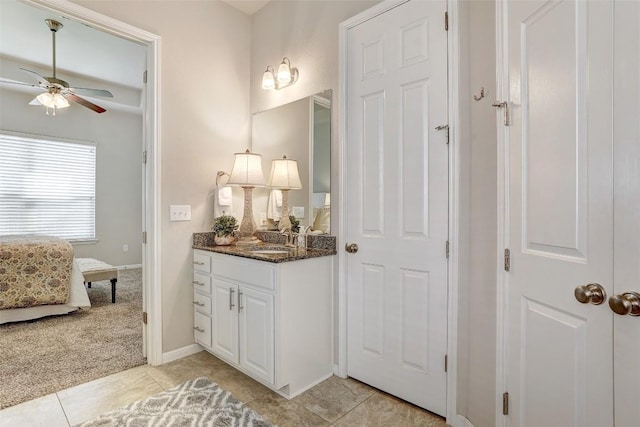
(95, 270)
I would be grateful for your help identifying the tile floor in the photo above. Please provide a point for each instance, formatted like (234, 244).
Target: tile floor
(335, 402)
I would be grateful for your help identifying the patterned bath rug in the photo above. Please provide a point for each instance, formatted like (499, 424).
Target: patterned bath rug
(197, 403)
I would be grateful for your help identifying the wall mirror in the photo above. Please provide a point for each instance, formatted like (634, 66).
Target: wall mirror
(301, 130)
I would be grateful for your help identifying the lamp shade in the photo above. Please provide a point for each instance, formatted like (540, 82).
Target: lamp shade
(268, 81)
(247, 170)
(284, 174)
(284, 71)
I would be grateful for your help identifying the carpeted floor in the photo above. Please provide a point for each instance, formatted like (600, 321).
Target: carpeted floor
(46, 355)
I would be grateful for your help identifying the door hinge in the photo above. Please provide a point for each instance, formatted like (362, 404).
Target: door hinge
(446, 362)
(507, 260)
(446, 21)
(144, 77)
(505, 403)
(144, 237)
(144, 317)
(144, 157)
(444, 127)
(446, 249)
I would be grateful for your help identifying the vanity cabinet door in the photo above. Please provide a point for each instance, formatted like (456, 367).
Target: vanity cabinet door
(256, 310)
(225, 320)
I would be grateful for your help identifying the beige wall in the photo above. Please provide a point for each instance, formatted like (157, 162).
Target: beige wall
(118, 138)
(204, 120)
(478, 222)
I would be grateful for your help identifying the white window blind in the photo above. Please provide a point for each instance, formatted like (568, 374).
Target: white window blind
(47, 187)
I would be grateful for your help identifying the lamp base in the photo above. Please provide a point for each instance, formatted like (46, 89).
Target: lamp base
(285, 222)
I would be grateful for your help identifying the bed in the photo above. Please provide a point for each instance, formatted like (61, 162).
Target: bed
(38, 277)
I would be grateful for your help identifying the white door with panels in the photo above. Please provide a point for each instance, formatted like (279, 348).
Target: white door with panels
(626, 323)
(563, 181)
(397, 203)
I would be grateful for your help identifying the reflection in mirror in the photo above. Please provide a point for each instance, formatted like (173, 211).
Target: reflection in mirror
(301, 130)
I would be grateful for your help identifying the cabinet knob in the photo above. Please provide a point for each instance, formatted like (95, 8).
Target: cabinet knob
(198, 329)
(198, 303)
(198, 262)
(195, 282)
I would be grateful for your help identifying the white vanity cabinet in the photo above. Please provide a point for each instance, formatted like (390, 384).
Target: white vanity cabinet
(272, 321)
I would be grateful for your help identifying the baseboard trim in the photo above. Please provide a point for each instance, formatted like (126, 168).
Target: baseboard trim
(179, 353)
(128, 266)
(336, 371)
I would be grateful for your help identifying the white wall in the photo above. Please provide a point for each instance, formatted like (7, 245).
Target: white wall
(118, 138)
(204, 120)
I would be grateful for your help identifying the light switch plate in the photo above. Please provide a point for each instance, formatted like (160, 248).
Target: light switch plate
(180, 213)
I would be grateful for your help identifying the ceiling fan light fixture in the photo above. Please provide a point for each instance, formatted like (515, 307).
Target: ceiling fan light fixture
(52, 100)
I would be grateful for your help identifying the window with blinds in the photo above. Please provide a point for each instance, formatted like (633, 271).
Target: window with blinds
(47, 187)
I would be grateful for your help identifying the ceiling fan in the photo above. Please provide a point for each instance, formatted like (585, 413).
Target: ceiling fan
(57, 92)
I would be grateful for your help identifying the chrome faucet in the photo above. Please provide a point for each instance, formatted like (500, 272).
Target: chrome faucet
(291, 237)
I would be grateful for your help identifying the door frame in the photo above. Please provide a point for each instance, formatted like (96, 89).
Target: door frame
(151, 144)
(453, 61)
(502, 278)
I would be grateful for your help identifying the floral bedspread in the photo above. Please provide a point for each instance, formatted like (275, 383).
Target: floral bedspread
(34, 270)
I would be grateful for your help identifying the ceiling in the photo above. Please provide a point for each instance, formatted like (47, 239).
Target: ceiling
(247, 6)
(81, 50)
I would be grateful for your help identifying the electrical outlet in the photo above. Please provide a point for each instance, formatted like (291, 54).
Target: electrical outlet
(125, 248)
(180, 213)
(298, 211)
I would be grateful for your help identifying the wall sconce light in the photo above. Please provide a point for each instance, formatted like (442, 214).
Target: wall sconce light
(284, 176)
(286, 76)
(247, 173)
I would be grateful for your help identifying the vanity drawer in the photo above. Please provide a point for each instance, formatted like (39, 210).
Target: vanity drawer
(202, 329)
(202, 283)
(257, 273)
(202, 262)
(202, 303)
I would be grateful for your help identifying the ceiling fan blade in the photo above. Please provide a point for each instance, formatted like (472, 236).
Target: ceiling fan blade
(84, 102)
(41, 80)
(15, 82)
(90, 92)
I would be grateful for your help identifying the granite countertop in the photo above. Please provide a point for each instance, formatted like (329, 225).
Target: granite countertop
(317, 247)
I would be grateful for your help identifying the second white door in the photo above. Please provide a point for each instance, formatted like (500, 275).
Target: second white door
(397, 203)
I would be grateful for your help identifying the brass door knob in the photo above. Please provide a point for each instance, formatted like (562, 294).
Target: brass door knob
(352, 248)
(627, 303)
(593, 293)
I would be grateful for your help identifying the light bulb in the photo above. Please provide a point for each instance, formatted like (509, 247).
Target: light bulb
(268, 82)
(284, 71)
